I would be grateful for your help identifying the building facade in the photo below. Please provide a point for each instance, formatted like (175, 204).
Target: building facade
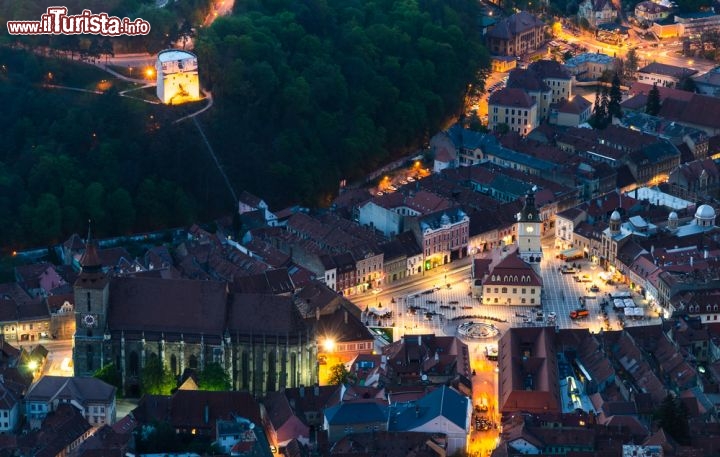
(517, 35)
(590, 66)
(260, 340)
(597, 12)
(444, 236)
(512, 282)
(663, 75)
(514, 108)
(94, 398)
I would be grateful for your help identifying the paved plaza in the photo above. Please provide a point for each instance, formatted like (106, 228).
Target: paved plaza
(440, 310)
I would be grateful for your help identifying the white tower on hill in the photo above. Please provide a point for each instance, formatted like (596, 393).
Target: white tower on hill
(177, 77)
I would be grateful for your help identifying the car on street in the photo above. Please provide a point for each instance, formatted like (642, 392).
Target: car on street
(594, 288)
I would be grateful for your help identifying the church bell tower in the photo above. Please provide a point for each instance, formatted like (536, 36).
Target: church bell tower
(91, 292)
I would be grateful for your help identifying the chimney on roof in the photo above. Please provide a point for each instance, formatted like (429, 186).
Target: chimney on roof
(302, 391)
(706, 254)
(316, 390)
(417, 411)
(691, 261)
(346, 317)
(206, 413)
(317, 313)
(419, 340)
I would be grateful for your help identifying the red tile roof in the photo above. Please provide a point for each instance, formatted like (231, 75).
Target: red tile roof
(515, 271)
(514, 98)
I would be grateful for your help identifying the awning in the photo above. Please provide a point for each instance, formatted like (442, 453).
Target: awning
(571, 252)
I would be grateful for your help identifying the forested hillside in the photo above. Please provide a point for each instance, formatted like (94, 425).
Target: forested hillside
(66, 157)
(307, 92)
(310, 92)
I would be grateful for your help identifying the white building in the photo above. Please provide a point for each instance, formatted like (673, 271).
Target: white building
(9, 409)
(589, 66)
(177, 77)
(597, 12)
(94, 398)
(663, 75)
(565, 223)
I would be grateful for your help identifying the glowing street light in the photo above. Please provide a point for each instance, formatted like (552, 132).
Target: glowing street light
(33, 365)
(329, 345)
(149, 72)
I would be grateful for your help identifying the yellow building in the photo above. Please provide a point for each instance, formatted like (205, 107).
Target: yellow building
(502, 64)
(514, 108)
(177, 77)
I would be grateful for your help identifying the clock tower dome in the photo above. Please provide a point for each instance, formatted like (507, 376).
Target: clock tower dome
(528, 230)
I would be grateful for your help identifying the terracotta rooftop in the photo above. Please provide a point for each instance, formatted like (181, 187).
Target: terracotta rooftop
(513, 270)
(576, 105)
(515, 98)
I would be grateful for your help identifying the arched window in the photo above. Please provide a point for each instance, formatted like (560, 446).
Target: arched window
(193, 362)
(90, 355)
(134, 363)
(173, 364)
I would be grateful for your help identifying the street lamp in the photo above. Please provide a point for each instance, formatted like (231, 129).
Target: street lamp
(329, 345)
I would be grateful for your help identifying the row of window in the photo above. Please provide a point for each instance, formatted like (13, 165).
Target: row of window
(504, 290)
(496, 301)
(516, 278)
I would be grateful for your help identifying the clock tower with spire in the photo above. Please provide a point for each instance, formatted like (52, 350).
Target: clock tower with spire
(91, 308)
(528, 231)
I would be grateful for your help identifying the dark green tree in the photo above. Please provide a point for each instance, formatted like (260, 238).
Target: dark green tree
(652, 105)
(186, 32)
(614, 109)
(94, 51)
(106, 49)
(605, 106)
(631, 64)
(672, 416)
(46, 221)
(120, 204)
(214, 377)
(338, 374)
(155, 378)
(599, 113)
(502, 129)
(687, 84)
(111, 375)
